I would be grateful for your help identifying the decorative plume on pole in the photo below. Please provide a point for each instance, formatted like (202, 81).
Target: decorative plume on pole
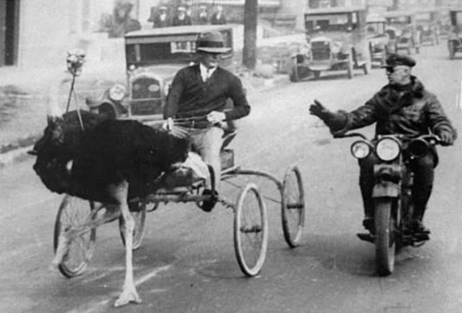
(74, 62)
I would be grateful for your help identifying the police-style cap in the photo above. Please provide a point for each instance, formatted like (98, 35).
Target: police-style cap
(396, 59)
(211, 42)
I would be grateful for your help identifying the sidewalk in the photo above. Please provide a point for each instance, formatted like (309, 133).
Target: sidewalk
(24, 95)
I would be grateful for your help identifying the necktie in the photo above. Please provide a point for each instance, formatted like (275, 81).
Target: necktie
(207, 76)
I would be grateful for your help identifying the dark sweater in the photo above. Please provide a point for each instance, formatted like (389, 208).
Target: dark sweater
(189, 96)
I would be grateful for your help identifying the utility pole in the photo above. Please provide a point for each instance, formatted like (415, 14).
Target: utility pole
(250, 33)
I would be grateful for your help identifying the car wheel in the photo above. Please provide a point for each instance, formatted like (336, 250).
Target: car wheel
(350, 66)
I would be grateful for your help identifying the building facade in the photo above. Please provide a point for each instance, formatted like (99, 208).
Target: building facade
(38, 33)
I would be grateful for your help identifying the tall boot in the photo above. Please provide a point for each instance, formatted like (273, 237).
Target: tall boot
(420, 196)
(368, 205)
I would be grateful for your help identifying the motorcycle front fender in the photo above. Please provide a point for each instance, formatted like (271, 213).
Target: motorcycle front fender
(386, 189)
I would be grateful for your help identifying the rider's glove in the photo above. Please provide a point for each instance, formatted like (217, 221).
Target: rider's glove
(320, 111)
(447, 139)
(333, 120)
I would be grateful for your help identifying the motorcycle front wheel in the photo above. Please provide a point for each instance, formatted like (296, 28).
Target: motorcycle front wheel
(385, 241)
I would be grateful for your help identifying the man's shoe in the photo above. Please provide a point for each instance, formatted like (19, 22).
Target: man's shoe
(418, 227)
(208, 204)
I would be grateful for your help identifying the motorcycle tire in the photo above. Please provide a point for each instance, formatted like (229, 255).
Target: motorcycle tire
(385, 243)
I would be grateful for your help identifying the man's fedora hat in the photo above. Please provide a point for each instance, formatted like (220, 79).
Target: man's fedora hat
(211, 42)
(395, 59)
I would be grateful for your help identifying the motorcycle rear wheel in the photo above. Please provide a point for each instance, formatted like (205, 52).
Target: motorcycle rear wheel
(385, 241)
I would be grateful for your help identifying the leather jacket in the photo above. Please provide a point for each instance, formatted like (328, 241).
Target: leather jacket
(413, 111)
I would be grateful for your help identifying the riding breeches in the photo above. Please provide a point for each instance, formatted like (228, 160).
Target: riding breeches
(207, 142)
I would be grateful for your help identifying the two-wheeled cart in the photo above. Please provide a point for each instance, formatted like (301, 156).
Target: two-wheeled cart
(250, 225)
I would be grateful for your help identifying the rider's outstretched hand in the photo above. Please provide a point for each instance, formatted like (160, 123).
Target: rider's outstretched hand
(321, 111)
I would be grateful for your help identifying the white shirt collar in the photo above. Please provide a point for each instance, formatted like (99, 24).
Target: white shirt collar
(206, 73)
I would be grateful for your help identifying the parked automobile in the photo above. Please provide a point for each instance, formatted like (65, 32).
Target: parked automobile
(153, 57)
(403, 25)
(426, 21)
(337, 41)
(380, 43)
(455, 36)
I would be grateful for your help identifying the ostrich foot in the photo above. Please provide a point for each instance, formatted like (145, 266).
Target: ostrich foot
(127, 296)
(62, 250)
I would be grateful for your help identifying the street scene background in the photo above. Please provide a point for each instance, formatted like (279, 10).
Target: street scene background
(186, 262)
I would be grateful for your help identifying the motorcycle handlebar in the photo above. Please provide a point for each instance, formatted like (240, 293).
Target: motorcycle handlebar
(432, 138)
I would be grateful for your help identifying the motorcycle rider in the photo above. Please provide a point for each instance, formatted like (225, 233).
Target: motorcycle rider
(403, 106)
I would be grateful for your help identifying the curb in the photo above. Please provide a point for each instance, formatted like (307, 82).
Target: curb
(18, 152)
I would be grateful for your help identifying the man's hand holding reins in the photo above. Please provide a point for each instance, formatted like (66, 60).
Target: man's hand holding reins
(215, 117)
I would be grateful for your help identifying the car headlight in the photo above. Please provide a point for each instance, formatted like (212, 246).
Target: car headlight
(117, 92)
(388, 149)
(360, 149)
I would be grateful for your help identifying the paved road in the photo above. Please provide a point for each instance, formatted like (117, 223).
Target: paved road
(187, 263)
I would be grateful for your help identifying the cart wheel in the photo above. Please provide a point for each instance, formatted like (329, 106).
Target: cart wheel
(293, 206)
(250, 230)
(72, 213)
(138, 233)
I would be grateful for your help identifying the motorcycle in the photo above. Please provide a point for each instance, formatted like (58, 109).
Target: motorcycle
(392, 193)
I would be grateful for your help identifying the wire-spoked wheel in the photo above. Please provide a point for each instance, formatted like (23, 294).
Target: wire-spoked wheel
(385, 243)
(293, 206)
(72, 214)
(139, 215)
(250, 230)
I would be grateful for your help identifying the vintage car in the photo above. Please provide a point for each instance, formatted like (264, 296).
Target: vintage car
(402, 25)
(337, 41)
(426, 21)
(380, 43)
(153, 57)
(455, 36)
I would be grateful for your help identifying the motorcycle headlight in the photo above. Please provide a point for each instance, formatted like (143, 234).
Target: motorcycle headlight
(388, 149)
(117, 92)
(360, 149)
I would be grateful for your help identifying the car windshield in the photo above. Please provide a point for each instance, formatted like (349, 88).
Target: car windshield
(165, 50)
(331, 22)
(375, 28)
(160, 52)
(399, 20)
(424, 17)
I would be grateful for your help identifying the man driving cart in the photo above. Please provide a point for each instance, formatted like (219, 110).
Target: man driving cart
(197, 100)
